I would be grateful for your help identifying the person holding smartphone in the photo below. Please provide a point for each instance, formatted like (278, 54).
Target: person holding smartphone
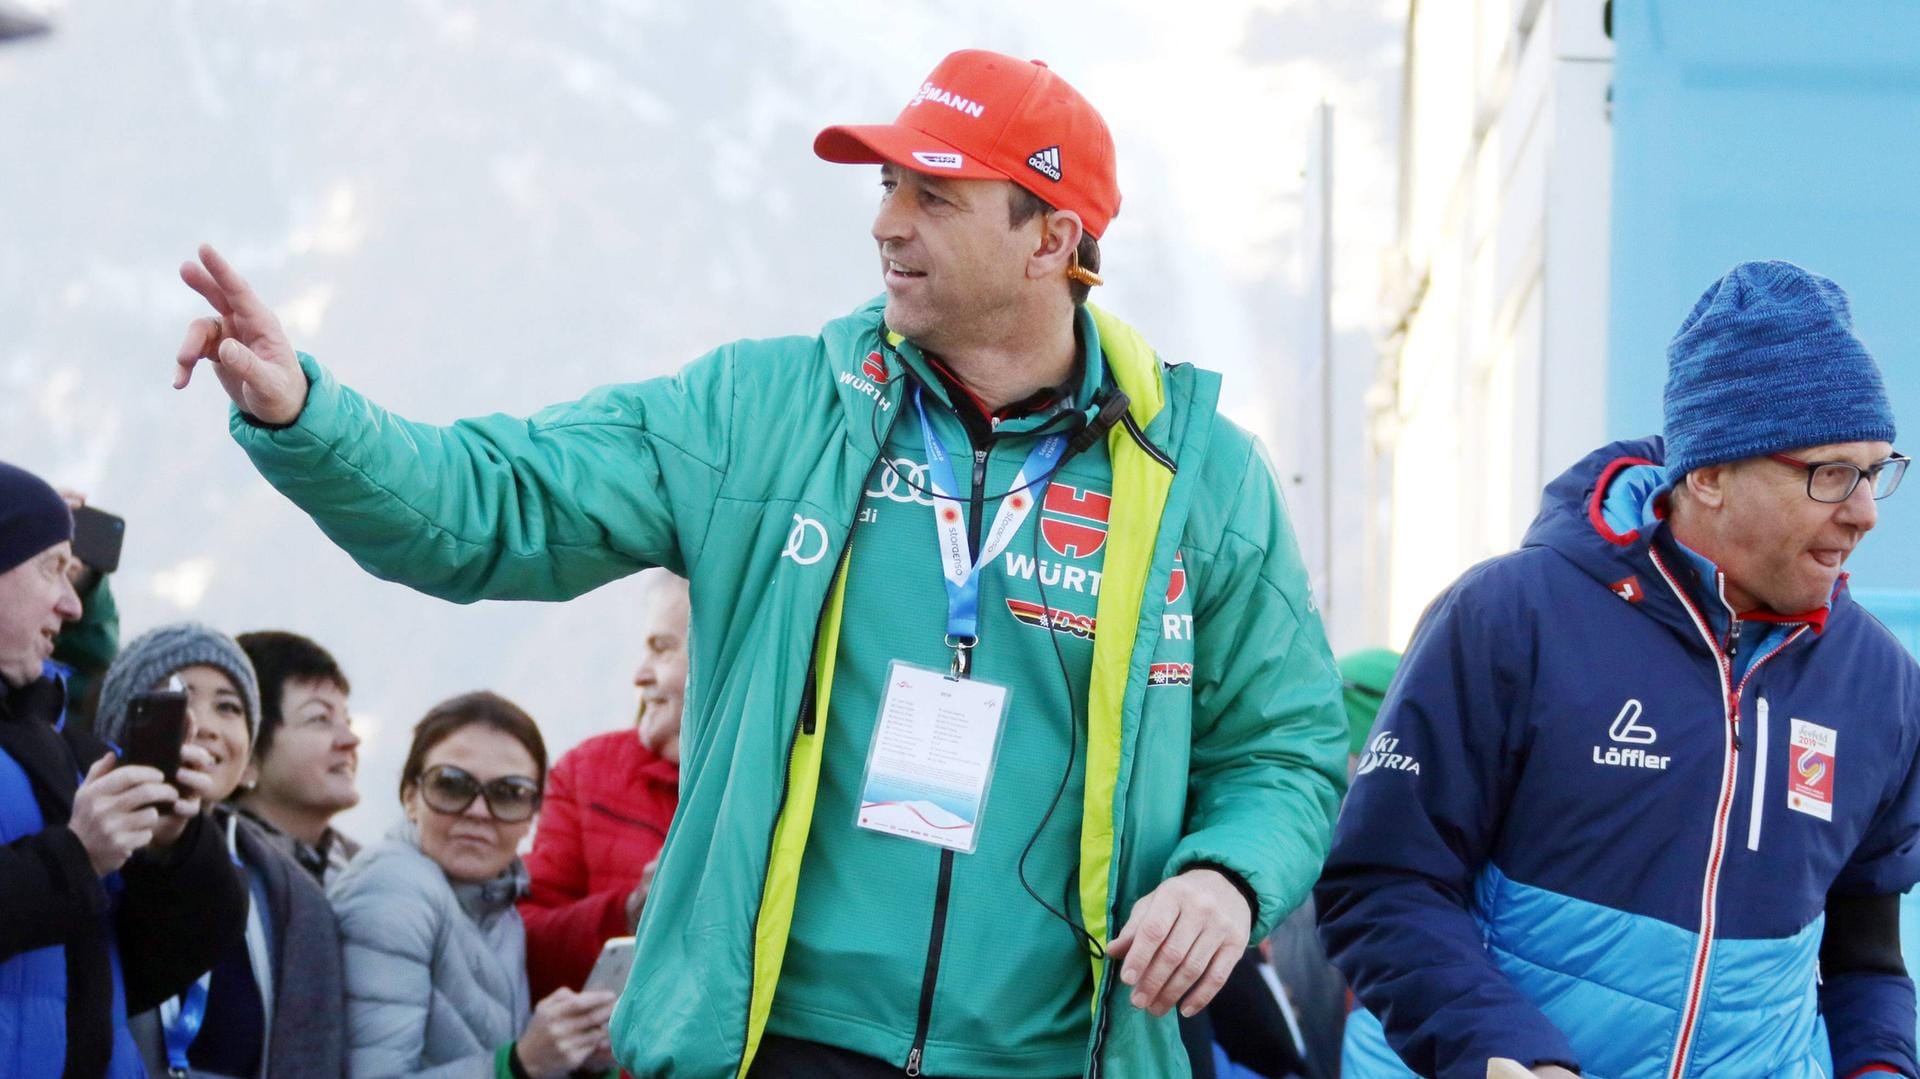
(272, 1004)
(435, 952)
(114, 893)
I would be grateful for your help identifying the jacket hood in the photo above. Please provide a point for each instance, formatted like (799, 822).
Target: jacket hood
(1606, 514)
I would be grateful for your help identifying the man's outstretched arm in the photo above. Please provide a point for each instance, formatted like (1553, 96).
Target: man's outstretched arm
(495, 507)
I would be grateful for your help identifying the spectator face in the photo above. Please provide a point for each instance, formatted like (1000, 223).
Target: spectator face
(662, 676)
(470, 844)
(36, 598)
(313, 762)
(217, 720)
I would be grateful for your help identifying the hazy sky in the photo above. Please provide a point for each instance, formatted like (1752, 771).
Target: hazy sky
(490, 206)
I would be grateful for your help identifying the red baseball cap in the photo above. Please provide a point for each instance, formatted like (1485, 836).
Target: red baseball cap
(985, 116)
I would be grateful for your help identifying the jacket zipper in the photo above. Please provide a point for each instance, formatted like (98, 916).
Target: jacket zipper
(805, 723)
(1716, 848)
(976, 507)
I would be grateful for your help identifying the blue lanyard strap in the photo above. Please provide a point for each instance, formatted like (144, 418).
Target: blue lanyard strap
(183, 1028)
(959, 567)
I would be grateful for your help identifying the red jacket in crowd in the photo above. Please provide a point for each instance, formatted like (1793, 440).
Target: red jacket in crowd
(608, 803)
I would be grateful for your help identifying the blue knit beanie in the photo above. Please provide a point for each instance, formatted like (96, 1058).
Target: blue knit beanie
(33, 517)
(1768, 362)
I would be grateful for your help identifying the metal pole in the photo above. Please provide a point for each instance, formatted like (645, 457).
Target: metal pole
(1324, 136)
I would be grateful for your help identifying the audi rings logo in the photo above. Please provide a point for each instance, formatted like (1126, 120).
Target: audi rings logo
(905, 480)
(807, 542)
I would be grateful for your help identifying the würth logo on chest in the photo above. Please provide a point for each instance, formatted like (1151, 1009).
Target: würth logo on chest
(1073, 521)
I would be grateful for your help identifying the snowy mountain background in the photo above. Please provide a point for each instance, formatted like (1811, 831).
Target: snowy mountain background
(467, 207)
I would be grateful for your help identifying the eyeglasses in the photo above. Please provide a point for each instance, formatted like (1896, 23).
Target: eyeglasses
(1834, 481)
(450, 790)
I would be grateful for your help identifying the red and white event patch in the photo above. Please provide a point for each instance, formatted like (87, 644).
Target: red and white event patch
(1810, 769)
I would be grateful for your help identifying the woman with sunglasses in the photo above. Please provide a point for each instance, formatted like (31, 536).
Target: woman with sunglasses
(435, 952)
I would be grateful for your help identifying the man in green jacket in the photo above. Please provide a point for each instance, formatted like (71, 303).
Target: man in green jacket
(1010, 717)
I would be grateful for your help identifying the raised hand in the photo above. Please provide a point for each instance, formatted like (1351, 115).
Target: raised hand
(250, 352)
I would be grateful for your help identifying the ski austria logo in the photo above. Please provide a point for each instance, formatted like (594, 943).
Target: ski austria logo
(1170, 674)
(1628, 588)
(1046, 162)
(1810, 782)
(1060, 621)
(875, 368)
(1384, 752)
(1073, 521)
(1177, 582)
(1627, 730)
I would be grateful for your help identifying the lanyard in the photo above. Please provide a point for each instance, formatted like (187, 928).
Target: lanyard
(180, 1030)
(962, 572)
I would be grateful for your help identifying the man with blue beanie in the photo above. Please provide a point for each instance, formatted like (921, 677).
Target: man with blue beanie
(1643, 797)
(107, 906)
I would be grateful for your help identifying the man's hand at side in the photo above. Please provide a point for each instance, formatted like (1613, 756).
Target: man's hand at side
(249, 350)
(1182, 941)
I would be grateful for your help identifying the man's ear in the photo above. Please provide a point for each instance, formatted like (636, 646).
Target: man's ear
(1707, 485)
(1060, 233)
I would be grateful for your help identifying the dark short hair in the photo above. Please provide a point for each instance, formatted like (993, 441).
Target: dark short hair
(483, 708)
(1021, 208)
(280, 657)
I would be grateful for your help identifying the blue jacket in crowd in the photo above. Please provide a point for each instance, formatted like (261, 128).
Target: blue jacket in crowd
(79, 952)
(1599, 823)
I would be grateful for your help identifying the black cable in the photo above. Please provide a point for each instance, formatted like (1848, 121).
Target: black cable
(873, 428)
(1081, 937)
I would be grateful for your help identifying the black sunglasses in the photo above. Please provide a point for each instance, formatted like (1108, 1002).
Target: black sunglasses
(450, 790)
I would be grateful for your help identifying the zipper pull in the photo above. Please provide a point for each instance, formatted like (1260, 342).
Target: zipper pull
(913, 1062)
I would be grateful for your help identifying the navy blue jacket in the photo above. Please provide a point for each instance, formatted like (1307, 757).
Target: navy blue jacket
(78, 952)
(1598, 826)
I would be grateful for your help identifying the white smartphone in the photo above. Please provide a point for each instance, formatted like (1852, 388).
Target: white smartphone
(611, 969)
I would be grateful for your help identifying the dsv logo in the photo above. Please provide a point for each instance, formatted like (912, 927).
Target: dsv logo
(807, 542)
(903, 479)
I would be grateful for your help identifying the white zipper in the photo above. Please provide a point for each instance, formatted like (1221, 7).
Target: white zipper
(1710, 892)
(1759, 773)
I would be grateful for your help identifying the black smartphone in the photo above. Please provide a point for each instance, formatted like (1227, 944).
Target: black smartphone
(96, 538)
(156, 729)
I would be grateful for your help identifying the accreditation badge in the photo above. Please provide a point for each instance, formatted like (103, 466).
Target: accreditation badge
(1810, 769)
(932, 757)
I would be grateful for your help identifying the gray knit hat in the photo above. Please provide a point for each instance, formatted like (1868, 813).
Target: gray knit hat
(160, 652)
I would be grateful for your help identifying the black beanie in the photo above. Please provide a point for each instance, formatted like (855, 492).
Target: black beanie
(33, 516)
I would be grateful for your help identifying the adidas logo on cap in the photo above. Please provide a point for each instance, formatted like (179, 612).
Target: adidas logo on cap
(1046, 162)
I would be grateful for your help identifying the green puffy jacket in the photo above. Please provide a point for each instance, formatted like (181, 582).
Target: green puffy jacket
(711, 473)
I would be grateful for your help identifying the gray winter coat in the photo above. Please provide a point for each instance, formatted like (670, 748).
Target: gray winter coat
(436, 973)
